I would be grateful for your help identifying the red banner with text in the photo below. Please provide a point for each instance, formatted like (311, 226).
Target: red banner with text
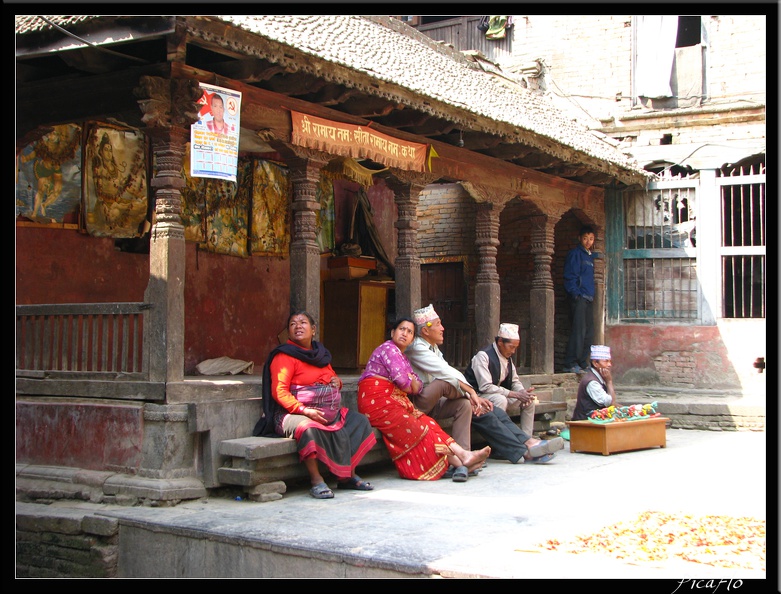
(357, 142)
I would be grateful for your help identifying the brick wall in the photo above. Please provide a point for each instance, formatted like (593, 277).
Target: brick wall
(54, 542)
(588, 59)
(676, 369)
(737, 57)
(446, 214)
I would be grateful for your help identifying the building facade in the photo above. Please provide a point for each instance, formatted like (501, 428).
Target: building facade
(685, 263)
(132, 270)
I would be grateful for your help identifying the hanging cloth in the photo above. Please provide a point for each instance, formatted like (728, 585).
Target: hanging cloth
(656, 36)
(350, 169)
(497, 27)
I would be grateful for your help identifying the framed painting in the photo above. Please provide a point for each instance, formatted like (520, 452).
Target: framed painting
(48, 176)
(270, 209)
(115, 183)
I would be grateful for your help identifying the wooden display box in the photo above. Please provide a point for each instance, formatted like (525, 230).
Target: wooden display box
(348, 268)
(622, 436)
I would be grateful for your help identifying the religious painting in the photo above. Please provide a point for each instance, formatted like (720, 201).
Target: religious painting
(227, 220)
(326, 215)
(48, 176)
(193, 203)
(270, 209)
(214, 213)
(115, 183)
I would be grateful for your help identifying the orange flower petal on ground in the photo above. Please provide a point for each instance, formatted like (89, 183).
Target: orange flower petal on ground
(720, 541)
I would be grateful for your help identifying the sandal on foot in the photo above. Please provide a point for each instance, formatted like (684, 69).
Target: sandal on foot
(321, 491)
(547, 446)
(541, 459)
(451, 469)
(461, 474)
(356, 483)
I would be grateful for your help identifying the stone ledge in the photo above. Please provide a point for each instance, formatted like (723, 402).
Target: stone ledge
(56, 482)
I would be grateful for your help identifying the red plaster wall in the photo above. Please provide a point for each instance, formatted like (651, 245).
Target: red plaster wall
(65, 266)
(89, 435)
(234, 307)
(685, 356)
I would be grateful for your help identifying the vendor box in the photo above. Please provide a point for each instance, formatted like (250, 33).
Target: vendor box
(347, 267)
(618, 436)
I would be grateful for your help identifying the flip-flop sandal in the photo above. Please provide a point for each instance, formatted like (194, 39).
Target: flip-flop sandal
(356, 483)
(547, 446)
(321, 491)
(449, 472)
(461, 474)
(541, 459)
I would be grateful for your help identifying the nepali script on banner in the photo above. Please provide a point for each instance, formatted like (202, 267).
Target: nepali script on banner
(214, 138)
(357, 142)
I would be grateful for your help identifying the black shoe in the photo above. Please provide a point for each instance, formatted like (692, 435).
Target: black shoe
(451, 469)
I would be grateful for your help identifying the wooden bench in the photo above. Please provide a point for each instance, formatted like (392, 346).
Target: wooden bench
(263, 465)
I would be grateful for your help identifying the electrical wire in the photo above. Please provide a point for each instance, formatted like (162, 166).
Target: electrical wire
(89, 43)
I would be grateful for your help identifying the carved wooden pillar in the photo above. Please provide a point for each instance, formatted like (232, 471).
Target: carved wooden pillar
(542, 308)
(169, 108)
(168, 448)
(304, 252)
(488, 298)
(599, 287)
(407, 186)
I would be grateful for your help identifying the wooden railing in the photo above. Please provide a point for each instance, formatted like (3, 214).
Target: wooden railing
(81, 341)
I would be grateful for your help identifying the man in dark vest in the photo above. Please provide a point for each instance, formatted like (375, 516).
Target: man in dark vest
(492, 373)
(595, 390)
(507, 440)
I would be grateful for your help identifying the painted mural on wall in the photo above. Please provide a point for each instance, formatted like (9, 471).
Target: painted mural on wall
(215, 212)
(325, 217)
(270, 219)
(48, 176)
(115, 184)
(193, 203)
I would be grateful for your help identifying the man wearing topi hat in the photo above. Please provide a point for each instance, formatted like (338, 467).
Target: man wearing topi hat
(595, 390)
(492, 373)
(507, 440)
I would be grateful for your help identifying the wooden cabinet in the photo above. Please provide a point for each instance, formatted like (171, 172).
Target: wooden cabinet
(355, 319)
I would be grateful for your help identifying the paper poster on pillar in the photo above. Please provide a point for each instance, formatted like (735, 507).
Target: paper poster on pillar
(214, 138)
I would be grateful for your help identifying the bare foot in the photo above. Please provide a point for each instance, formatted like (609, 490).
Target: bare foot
(475, 466)
(476, 458)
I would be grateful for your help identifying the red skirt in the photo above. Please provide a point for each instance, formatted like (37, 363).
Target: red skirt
(417, 444)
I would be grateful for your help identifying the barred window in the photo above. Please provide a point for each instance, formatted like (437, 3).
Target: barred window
(743, 265)
(660, 265)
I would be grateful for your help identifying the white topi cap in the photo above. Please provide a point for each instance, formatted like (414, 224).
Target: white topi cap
(424, 315)
(600, 352)
(509, 331)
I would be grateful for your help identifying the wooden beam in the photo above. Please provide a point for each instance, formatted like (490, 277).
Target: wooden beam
(86, 98)
(263, 110)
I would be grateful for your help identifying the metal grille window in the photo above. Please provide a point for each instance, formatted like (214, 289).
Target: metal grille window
(743, 240)
(660, 266)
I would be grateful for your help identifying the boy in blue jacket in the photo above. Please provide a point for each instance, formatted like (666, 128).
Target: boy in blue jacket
(579, 284)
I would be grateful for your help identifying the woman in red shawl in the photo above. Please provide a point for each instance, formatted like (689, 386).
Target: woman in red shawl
(302, 399)
(419, 447)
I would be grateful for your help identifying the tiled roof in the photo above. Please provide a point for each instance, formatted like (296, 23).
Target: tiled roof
(445, 81)
(380, 47)
(35, 24)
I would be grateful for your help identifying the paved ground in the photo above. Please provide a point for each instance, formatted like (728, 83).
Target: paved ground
(492, 526)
